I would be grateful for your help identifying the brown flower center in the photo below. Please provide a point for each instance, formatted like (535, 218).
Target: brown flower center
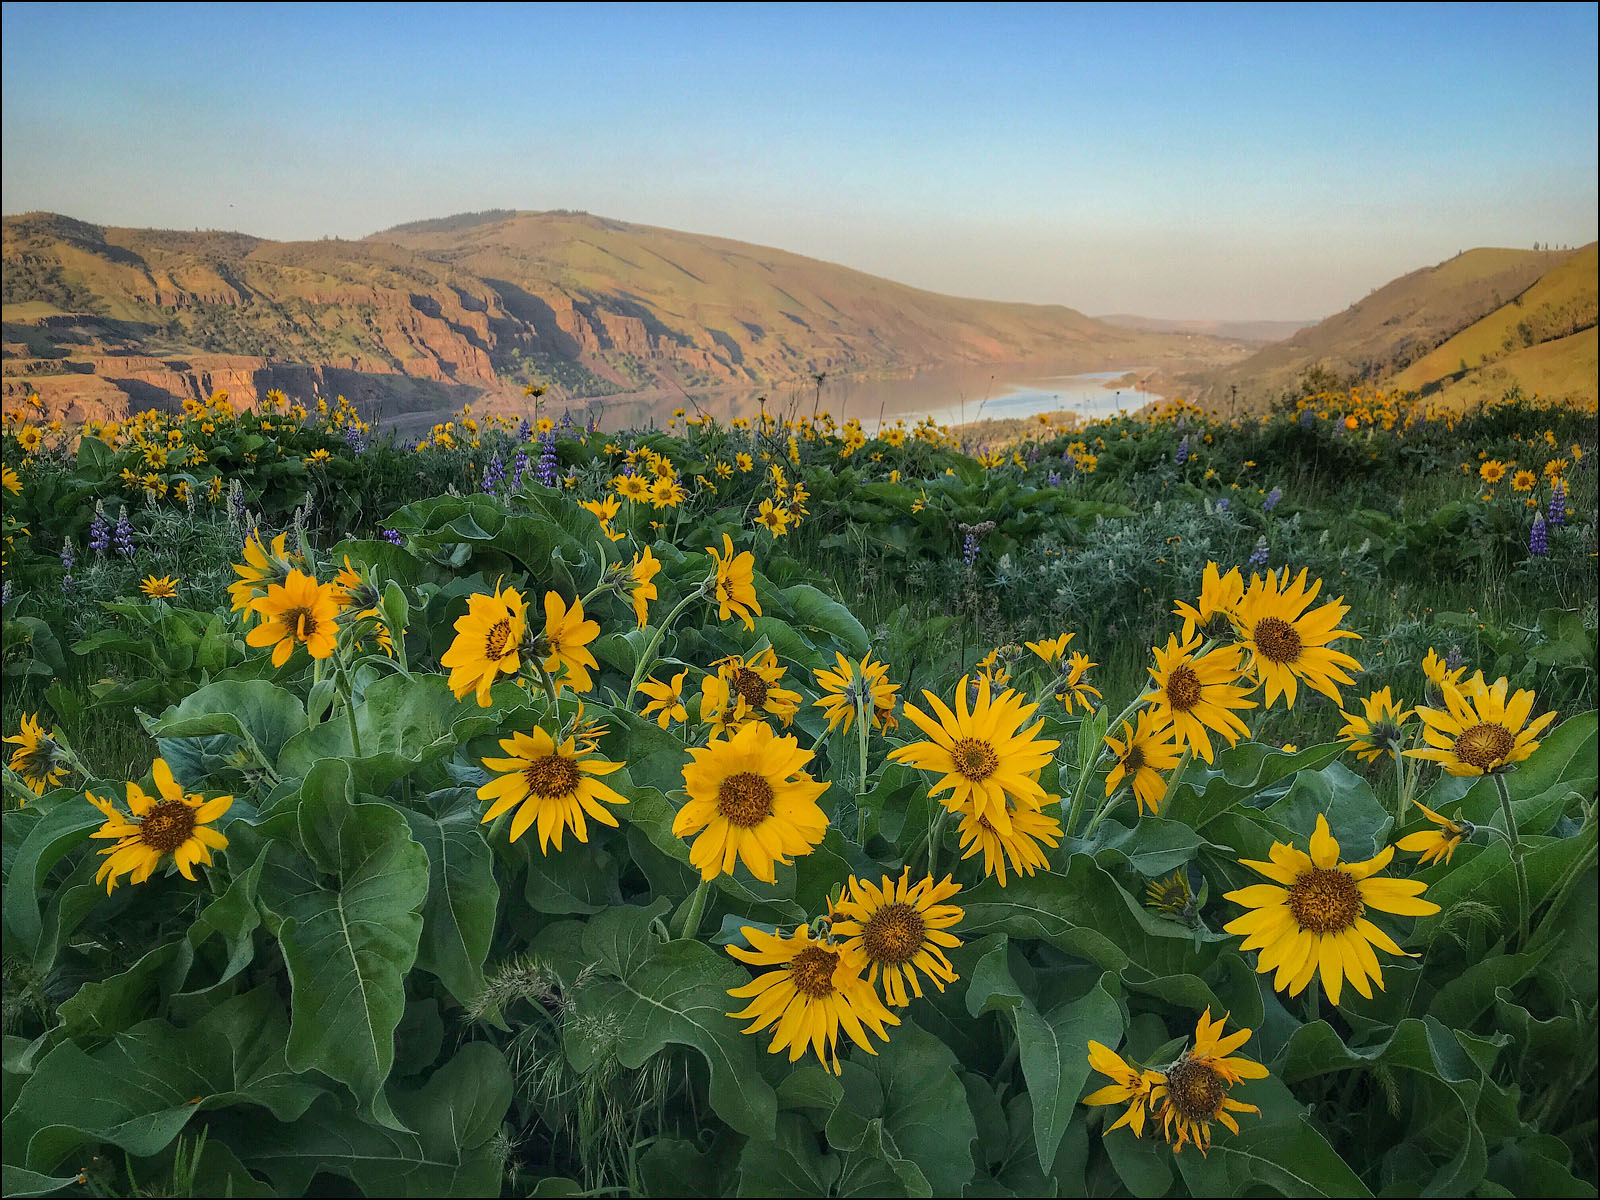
(1183, 688)
(751, 686)
(1195, 1089)
(974, 758)
(494, 643)
(894, 934)
(552, 776)
(1325, 901)
(812, 971)
(1277, 640)
(1484, 746)
(300, 623)
(744, 799)
(167, 826)
(1133, 759)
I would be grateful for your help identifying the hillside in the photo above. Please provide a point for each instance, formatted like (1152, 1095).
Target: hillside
(471, 307)
(1535, 340)
(1399, 324)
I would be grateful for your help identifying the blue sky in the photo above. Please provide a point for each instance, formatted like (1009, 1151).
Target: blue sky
(1207, 161)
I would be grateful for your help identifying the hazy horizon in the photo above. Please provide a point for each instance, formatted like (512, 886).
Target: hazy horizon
(1215, 163)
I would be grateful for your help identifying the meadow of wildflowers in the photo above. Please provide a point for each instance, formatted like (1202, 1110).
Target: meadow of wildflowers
(1156, 806)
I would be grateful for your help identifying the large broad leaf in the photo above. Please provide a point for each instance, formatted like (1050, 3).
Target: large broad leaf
(454, 1118)
(347, 916)
(792, 1164)
(650, 994)
(139, 1090)
(402, 722)
(62, 829)
(458, 915)
(903, 1125)
(1239, 774)
(260, 715)
(1447, 1090)
(816, 613)
(1086, 913)
(1052, 1046)
(1277, 1149)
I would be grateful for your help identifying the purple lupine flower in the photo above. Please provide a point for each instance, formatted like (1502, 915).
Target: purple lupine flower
(1222, 505)
(525, 431)
(69, 559)
(1307, 417)
(546, 471)
(392, 536)
(1182, 453)
(1258, 557)
(354, 440)
(1271, 502)
(123, 534)
(566, 420)
(1452, 659)
(493, 475)
(99, 529)
(5, 592)
(1558, 503)
(1539, 536)
(969, 549)
(1054, 479)
(518, 466)
(236, 504)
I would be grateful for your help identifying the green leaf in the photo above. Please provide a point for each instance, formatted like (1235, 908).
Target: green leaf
(455, 1115)
(141, 1088)
(261, 715)
(792, 1164)
(459, 913)
(907, 1105)
(403, 721)
(104, 1007)
(816, 612)
(60, 831)
(348, 940)
(650, 994)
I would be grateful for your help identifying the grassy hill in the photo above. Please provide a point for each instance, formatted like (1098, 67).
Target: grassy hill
(478, 304)
(1536, 340)
(1398, 325)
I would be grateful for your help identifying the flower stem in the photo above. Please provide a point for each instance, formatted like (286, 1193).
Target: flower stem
(697, 907)
(935, 836)
(1517, 866)
(861, 787)
(647, 659)
(346, 694)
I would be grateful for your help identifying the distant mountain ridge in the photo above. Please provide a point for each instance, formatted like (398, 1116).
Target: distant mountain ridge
(473, 306)
(1239, 331)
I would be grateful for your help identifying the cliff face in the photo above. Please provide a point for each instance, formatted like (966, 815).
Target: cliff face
(100, 318)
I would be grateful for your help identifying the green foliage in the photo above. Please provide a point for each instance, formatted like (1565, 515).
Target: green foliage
(372, 989)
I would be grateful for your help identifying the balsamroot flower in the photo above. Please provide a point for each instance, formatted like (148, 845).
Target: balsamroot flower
(1311, 918)
(1287, 642)
(1195, 692)
(1480, 731)
(1142, 753)
(175, 828)
(815, 990)
(985, 755)
(552, 784)
(735, 589)
(900, 928)
(749, 800)
(488, 643)
(297, 612)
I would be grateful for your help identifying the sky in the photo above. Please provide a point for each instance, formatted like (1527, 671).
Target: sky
(1247, 162)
